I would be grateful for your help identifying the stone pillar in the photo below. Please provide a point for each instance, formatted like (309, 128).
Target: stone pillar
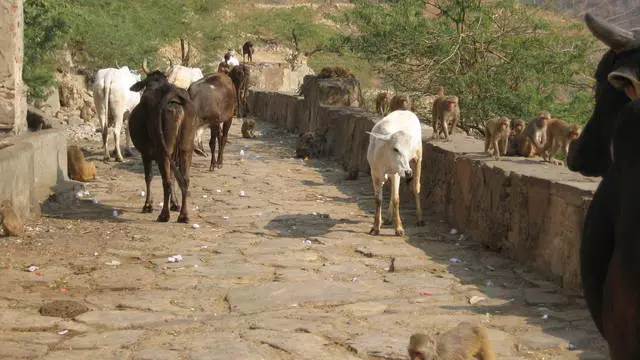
(13, 100)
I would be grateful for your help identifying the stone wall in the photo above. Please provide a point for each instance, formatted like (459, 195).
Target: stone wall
(527, 210)
(31, 165)
(277, 76)
(13, 101)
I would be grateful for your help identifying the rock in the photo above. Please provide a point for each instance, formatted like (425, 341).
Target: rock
(123, 319)
(363, 309)
(111, 339)
(22, 321)
(63, 309)
(299, 345)
(157, 354)
(380, 346)
(74, 121)
(102, 354)
(540, 341)
(14, 350)
(38, 119)
(39, 337)
(540, 296)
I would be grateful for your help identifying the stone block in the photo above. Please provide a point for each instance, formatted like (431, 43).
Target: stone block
(13, 99)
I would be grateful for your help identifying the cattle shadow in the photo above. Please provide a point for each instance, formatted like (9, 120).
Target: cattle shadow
(303, 225)
(504, 286)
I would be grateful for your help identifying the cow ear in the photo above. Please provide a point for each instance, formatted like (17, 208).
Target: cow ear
(624, 78)
(137, 86)
(383, 137)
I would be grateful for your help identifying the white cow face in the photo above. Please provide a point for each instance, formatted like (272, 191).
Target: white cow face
(396, 153)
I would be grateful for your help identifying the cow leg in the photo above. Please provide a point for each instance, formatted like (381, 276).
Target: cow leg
(416, 166)
(223, 141)
(105, 138)
(395, 198)
(389, 218)
(165, 172)
(185, 165)
(127, 137)
(116, 135)
(212, 145)
(174, 200)
(377, 190)
(148, 176)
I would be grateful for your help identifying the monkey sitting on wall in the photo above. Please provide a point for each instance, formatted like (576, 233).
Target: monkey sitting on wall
(78, 168)
(248, 128)
(399, 102)
(559, 135)
(383, 102)
(516, 138)
(464, 342)
(535, 136)
(497, 136)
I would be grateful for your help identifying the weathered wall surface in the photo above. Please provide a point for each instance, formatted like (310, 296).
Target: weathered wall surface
(522, 208)
(277, 76)
(13, 101)
(30, 167)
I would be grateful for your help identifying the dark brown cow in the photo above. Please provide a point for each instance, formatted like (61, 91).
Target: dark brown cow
(214, 98)
(240, 76)
(247, 49)
(162, 127)
(610, 247)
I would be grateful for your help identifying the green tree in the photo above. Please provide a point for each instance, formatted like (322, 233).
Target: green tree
(501, 58)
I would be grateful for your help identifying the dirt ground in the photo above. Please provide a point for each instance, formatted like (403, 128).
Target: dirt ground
(286, 271)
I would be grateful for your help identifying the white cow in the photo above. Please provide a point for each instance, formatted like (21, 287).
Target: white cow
(114, 102)
(182, 76)
(395, 149)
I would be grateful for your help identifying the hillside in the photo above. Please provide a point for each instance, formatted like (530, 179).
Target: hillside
(624, 13)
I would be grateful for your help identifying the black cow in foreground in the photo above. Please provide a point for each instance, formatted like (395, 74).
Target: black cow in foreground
(607, 147)
(162, 127)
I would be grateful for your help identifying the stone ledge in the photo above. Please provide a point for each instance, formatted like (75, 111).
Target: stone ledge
(30, 168)
(526, 209)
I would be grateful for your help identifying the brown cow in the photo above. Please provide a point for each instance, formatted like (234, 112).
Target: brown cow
(162, 127)
(214, 98)
(240, 76)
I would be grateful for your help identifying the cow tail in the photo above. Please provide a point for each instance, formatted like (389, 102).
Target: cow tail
(176, 171)
(106, 93)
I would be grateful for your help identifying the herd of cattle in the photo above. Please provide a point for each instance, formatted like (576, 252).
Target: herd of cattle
(177, 105)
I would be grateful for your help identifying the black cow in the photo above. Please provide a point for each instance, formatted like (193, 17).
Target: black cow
(162, 127)
(247, 49)
(609, 252)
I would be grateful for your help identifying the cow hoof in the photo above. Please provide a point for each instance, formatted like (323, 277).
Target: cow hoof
(120, 159)
(183, 218)
(374, 231)
(387, 222)
(219, 165)
(400, 232)
(163, 217)
(421, 223)
(175, 207)
(147, 208)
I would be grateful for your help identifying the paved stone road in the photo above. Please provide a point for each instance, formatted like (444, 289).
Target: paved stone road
(285, 272)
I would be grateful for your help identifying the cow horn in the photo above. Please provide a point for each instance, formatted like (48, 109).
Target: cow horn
(117, 66)
(616, 38)
(144, 66)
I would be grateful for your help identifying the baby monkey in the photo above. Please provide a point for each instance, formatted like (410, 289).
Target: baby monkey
(464, 342)
(248, 127)
(11, 222)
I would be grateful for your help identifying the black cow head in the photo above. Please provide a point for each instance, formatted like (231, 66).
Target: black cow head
(153, 80)
(617, 82)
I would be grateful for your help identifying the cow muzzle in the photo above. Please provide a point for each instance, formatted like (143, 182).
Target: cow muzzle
(408, 175)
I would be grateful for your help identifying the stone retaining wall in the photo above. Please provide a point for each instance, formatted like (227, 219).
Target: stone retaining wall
(33, 164)
(523, 208)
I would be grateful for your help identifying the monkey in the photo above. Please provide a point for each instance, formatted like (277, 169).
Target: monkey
(497, 136)
(382, 103)
(445, 109)
(559, 135)
(516, 137)
(11, 222)
(310, 145)
(399, 102)
(465, 341)
(535, 136)
(78, 168)
(248, 127)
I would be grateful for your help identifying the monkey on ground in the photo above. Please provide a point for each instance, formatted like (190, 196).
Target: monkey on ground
(399, 102)
(11, 222)
(464, 342)
(559, 136)
(78, 168)
(497, 136)
(445, 109)
(516, 138)
(310, 145)
(383, 101)
(535, 136)
(248, 127)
